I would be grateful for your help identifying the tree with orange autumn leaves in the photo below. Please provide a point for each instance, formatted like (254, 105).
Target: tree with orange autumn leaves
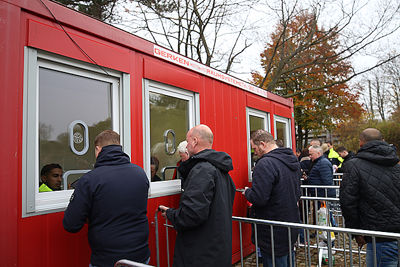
(300, 62)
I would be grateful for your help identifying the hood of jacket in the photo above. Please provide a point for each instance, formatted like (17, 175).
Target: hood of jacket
(349, 155)
(285, 155)
(220, 160)
(111, 155)
(378, 152)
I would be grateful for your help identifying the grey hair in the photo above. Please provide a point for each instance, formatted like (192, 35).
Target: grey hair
(317, 148)
(182, 147)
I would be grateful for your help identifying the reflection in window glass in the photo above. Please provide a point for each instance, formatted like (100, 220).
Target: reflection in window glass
(281, 132)
(168, 116)
(256, 123)
(63, 99)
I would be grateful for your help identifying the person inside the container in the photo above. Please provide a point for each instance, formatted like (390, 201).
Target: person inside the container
(51, 178)
(183, 154)
(154, 164)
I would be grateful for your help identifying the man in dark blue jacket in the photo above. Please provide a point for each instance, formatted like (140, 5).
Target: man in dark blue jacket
(321, 172)
(274, 195)
(203, 219)
(112, 198)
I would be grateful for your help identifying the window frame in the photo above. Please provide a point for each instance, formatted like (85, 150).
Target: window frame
(33, 202)
(267, 126)
(171, 187)
(286, 121)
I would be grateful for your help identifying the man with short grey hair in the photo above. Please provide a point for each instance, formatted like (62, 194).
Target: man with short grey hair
(321, 172)
(370, 195)
(315, 142)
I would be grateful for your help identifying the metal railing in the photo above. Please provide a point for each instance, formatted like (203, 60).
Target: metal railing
(308, 252)
(317, 239)
(346, 249)
(128, 263)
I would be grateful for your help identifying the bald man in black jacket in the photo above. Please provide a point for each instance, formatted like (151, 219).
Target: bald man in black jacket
(370, 195)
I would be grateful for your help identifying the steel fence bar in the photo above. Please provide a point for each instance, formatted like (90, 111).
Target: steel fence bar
(290, 246)
(328, 233)
(157, 240)
(319, 227)
(166, 235)
(320, 186)
(241, 245)
(333, 199)
(308, 247)
(128, 263)
(373, 249)
(344, 247)
(351, 249)
(272, 245)
(256, 242)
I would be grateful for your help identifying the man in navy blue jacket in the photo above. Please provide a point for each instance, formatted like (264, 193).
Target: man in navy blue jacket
(274, 195)
(112, 198)
(321, 172)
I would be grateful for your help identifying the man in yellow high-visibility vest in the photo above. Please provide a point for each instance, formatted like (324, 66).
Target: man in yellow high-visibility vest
(51, 176)
(333, 156)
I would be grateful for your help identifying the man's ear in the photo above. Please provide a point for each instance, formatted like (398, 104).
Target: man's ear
(43, 178)
(195, 141)
(263, 145)
(97, 150)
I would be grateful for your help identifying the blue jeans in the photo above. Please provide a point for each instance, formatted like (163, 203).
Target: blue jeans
(283, 261)
(386, 254)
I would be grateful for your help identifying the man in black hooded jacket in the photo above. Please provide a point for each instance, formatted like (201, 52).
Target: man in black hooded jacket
(112, 199)
(274, 195)
(203, 219)
(370, 195)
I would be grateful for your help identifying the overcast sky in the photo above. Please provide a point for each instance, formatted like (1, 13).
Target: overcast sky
(262, 20)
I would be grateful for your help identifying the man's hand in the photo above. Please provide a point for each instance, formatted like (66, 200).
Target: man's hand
(244, 191)
(360, 241)
(163, 210)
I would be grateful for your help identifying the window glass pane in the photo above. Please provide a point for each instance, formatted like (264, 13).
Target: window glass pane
(256, 123)
(281, 132)
(63, 99)
(167, 115)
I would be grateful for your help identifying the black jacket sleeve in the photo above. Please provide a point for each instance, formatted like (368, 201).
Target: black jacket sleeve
(349, 195)
(79, 207)
(263, 179)
(196, 199)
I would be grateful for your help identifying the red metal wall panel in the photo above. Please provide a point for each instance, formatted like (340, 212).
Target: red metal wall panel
(258, 102)
(50, 37)
(10, 121)
(137, 62)
(157, 70)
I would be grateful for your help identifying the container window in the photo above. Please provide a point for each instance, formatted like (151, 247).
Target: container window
(282, 130)
(170, 112)
(67, 126)
(66, 104)
(256, 120)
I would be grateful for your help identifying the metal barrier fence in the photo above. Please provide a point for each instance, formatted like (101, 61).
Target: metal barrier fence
(347, 251)
(311, 252)
(128, 263)
(315, 242)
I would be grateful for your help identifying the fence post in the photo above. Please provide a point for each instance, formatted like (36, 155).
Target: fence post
(157, 240)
